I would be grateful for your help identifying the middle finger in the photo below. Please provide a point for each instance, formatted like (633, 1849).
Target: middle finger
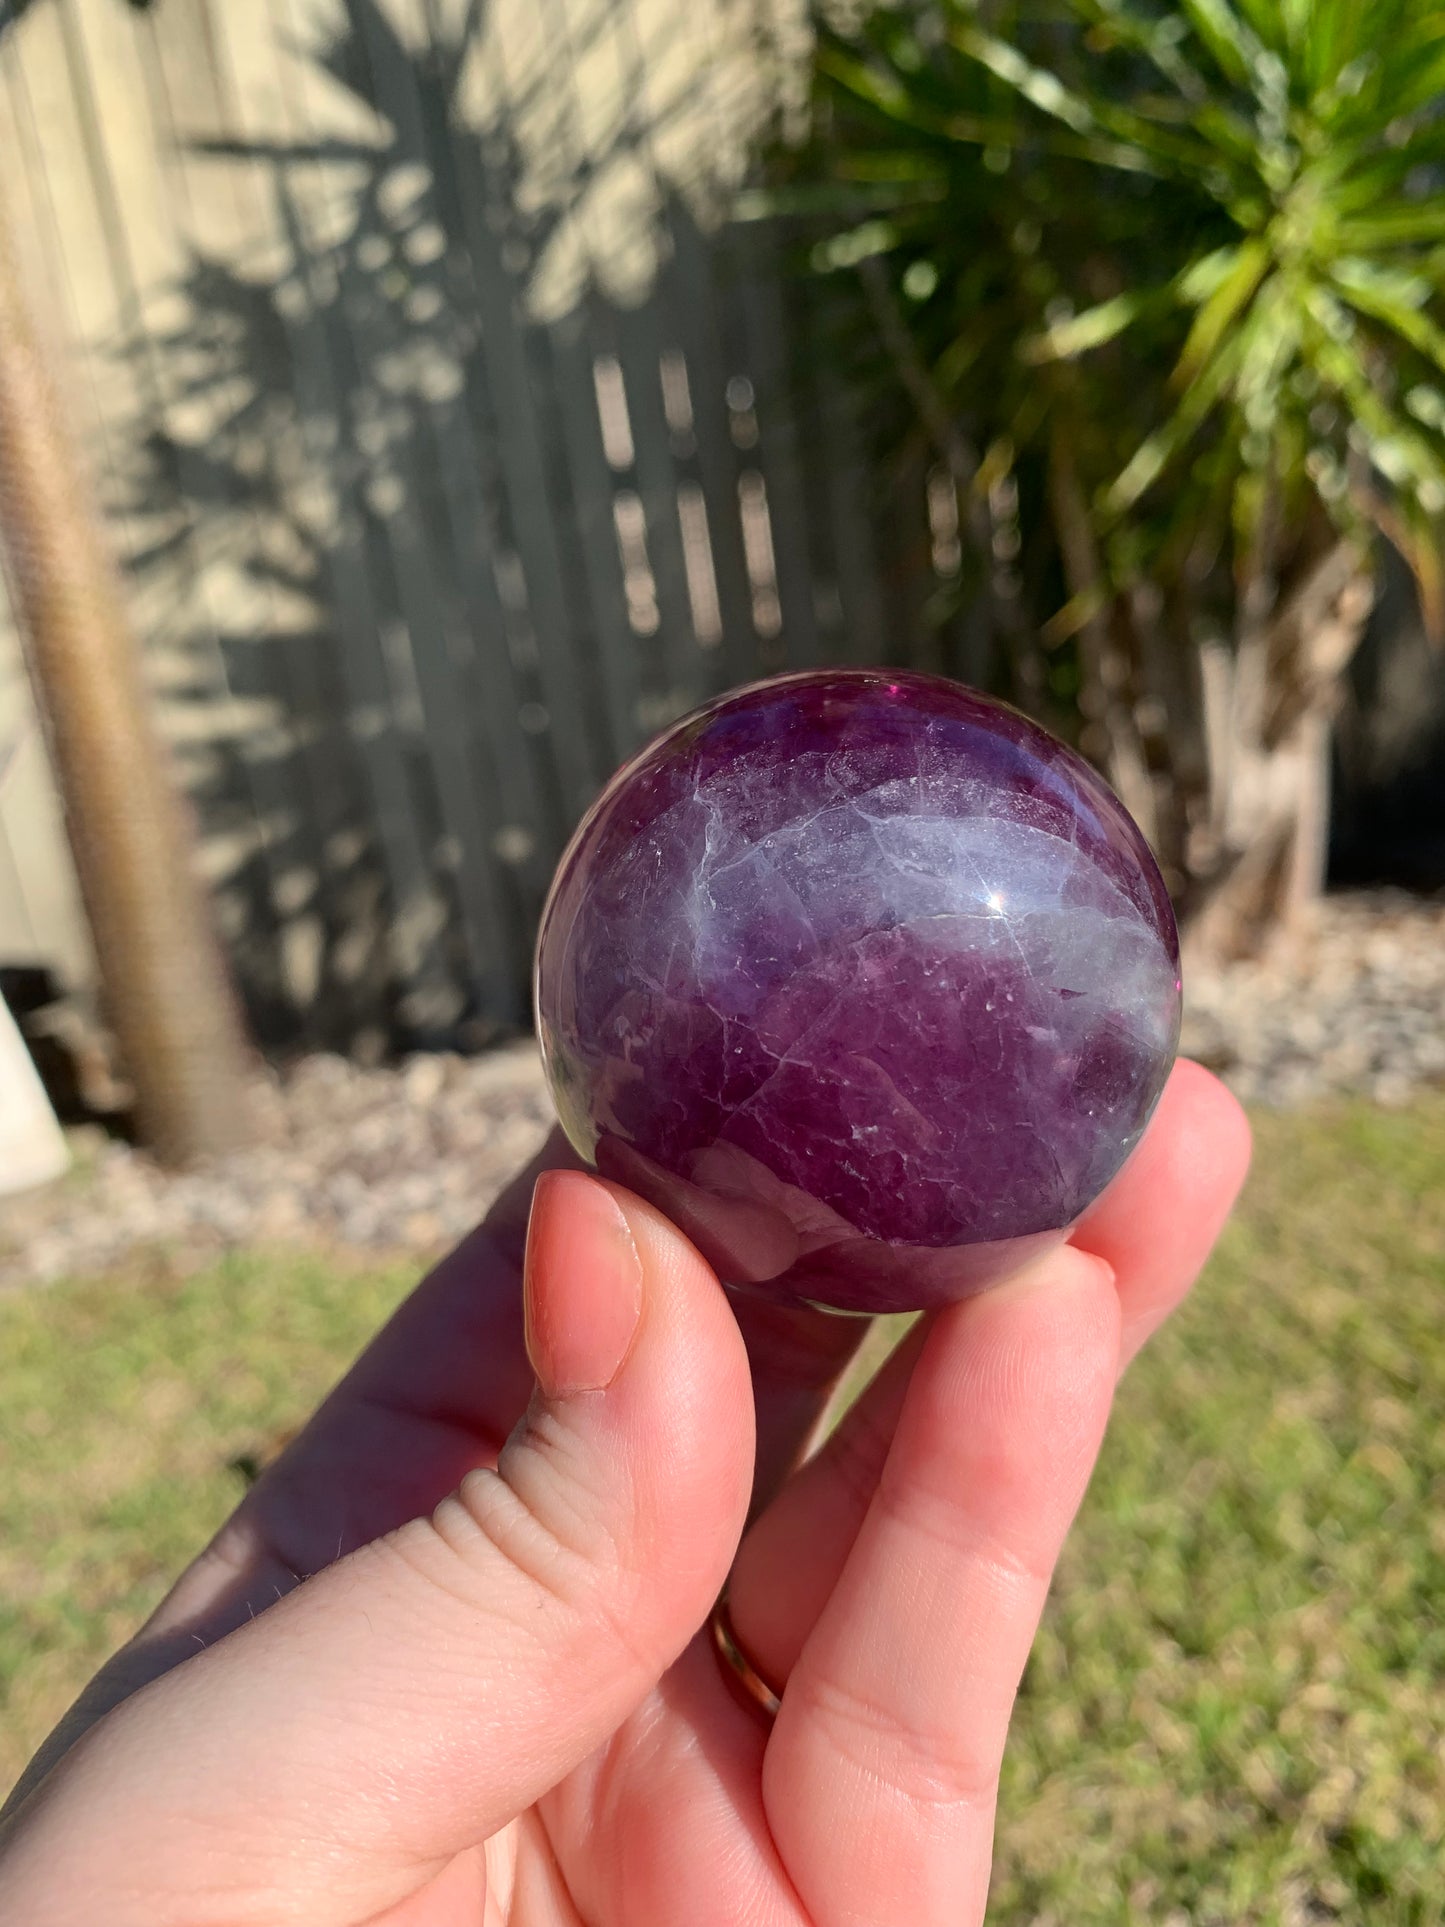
(1154, 1227)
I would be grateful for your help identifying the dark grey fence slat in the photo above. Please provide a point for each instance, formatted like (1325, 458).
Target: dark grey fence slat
(593, 486)
(328, 365)
(490, 694)
(843, 506)
(491, 691)
(425, 599)
(695, 304)
(352, 594)
(778, 461)
(495, 986)
(607, 640)
(639, 348)
(419, 112)
(855, 526)
(348, 676)
(509, 383)
(580, 768)
(914, 642)
(818, 458)
(449, 605)
(595, 632)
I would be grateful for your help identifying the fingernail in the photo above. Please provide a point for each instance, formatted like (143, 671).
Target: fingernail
(581, 1285)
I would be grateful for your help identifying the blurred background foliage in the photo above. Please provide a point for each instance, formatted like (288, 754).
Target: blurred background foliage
(1165, 287)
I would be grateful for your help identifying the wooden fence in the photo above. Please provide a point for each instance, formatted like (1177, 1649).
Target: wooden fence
(455, 436)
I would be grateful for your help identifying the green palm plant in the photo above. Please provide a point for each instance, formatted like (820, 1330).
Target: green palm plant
(1177, 268)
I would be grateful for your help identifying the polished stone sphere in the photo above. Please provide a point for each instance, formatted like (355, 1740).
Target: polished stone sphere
(865, 980)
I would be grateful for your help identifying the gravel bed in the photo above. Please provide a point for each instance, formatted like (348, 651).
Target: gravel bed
(404, 1159)
(392, 1160)
(1361, 1009)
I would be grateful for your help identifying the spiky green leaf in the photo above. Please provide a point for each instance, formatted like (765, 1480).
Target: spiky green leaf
(1398, 299)
(1152, 456)
(1066, 340)
(1250, 265)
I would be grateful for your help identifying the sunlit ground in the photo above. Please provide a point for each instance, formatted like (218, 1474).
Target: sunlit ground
(1236, 1713)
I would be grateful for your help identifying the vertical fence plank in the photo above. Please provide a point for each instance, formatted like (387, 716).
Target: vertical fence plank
(639, 348)
(491, 691)
(414, 92)
(503, 356)
(396, 494)
(593, 485)
(354, 593)
(44, 224)
(854, 513)
(838, 489)
(472, 697)
(760, 301)
(818, 458)
(580, 766)
(695, 302)
(402, 935)
(333, 348)
(347, 853)
(430, 634)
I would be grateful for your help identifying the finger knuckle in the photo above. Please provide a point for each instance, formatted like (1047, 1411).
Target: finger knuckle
(944, 1526)
(534, 1511)
(856, 1454)
(926, 1766)
(536, 1514)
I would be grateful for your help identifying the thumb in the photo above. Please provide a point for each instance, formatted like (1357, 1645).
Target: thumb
(323, 1762)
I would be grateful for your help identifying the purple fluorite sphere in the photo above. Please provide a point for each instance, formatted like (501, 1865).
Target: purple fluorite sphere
(865, 980)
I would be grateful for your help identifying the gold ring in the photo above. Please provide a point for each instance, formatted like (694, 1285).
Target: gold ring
(741, 1671)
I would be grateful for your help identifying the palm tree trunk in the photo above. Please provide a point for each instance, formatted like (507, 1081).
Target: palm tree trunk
(1270, 747)
(163, 982)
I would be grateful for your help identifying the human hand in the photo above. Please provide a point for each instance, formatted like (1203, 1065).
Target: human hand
(444, 1667)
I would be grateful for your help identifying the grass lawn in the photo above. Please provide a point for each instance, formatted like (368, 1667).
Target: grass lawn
(1236, 1713)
